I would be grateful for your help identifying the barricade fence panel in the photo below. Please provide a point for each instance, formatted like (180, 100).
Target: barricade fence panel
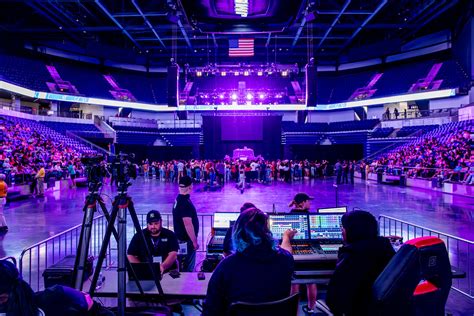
(460, 250)
(38, 257)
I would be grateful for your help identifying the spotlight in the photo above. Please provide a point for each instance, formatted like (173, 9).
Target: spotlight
(199, 73)
(284, 73)
(223, 74)
(221, 96)
(236, 73)
(246, 73)
(260, 73)
(249, 96)
(234, 96)
(261, 96)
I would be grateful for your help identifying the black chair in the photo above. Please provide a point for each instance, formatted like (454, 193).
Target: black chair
(432, 292)
(284, 307)
(392, 291)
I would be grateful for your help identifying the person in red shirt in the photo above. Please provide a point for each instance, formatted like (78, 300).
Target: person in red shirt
(3, 201)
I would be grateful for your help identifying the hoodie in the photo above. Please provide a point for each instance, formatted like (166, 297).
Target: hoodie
(258, 274)
(359, 264)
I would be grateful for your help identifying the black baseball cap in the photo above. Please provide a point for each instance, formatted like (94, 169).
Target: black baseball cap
(185, 182)
(301, 197)
(153, 216)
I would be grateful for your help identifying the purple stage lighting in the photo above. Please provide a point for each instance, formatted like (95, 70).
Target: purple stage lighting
(261, 96)
(234, 96)
(221, 96)
(249, 96)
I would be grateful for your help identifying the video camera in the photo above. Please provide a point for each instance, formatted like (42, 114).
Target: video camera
(123, 168)
(95, 167)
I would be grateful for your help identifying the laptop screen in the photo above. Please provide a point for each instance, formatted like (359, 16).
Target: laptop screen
(325, 226)
(341, 210)
(279, 223)
(222, 220)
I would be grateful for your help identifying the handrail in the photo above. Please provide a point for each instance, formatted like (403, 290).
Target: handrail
(428, 229)
(94, 146)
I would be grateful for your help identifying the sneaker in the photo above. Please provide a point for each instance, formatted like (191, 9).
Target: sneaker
(309, 312)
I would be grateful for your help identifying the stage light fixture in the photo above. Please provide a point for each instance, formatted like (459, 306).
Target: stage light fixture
(260, 73)
(249, 96)
(234, 96)
(284, 73)
(246, 73)
(236, 73)
(221, 96)
(261, 96)
(199, 73)
(223, 73)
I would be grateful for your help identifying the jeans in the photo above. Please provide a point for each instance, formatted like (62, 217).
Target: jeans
(187, 262)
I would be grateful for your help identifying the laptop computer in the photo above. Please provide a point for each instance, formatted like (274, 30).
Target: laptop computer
(333, 210)
(143, 272)
(223, 219)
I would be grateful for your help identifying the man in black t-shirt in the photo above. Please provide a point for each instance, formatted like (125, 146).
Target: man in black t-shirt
(186, 224)
(162, 243)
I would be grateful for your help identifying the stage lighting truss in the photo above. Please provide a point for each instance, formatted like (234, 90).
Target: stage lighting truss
(245, 70)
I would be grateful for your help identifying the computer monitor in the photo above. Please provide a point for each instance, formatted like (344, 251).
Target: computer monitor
(325, 226)
(327, 210)
(223, 219)
(279, 223)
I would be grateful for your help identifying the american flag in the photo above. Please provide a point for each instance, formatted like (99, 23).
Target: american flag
(243, 47)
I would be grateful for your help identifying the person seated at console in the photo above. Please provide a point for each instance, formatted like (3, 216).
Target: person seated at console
(259, 271)
(228, 236)
(301, 203)
(162, 243)
(360, 261)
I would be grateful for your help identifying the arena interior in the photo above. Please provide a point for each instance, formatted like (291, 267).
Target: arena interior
(109, 107)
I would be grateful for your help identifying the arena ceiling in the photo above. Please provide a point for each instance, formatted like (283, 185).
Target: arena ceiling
(198, 30)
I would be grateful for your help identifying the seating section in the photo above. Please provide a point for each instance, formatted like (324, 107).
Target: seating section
(435, 152)
(86, 78)
(83, 130)
(353, 125)
(333, 87)
(27, 72)
(382, 132)
(415, 130)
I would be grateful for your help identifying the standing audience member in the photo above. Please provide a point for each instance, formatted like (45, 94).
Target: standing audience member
(186, 224)
(360, 261)
(259, 271)
(3, 201)
(40, 181)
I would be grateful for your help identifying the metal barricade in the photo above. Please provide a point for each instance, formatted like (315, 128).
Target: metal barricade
(460, 250)
(36, 258)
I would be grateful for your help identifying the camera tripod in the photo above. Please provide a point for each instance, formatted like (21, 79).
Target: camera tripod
(121, 205)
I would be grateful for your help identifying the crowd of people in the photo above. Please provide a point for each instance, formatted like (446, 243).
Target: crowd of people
(450, 160)
(27, 156)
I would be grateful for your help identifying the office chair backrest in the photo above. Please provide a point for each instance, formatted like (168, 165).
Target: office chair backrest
(284, 307)
(431, 294)
(393, 290)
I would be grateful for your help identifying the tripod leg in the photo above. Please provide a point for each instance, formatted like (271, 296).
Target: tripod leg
(84, 242)
(103, 249)
(122, 257)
